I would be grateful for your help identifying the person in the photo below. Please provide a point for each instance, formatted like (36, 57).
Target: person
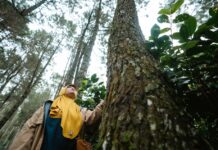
(60, 129)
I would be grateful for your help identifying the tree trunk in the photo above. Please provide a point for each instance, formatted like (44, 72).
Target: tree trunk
(14, 72)
(11, 107)
(74, 64)
(81, 74)
(9, 130)
(140, 112)
(9, 95)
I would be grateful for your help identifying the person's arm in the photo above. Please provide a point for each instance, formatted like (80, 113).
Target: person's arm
(23, 140)
(91, 117)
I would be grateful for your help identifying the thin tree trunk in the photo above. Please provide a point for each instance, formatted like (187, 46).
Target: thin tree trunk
(140, 112)
(9, 130)
(71, 71)
(81, 74)
(45, 66)
(9, 95)
(6, 113)
(61, 83)
(10, 76)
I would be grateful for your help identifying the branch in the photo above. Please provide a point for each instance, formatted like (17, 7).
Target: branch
(13, 3)
(25, 12)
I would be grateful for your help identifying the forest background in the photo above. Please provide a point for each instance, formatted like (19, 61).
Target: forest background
(183, 42)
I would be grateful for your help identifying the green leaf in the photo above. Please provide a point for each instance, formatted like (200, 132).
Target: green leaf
(213, 35)
(198, 55)
(191, 23)
(184, 32)
(150, 44)
(101, 83)
(201, 29)
(195, 50)
(189, 26)
(213, 11)
(155, 31)
(174, 7)
(164, 30)
(165, 11)
(189, 44)
(176, 35)
(163, 19)
(163, 43)
(94, 78)
(166, 60)
(181, 18)
(177, 5)
(84, 82)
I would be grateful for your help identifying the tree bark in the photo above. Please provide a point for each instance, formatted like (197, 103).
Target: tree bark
(140, 111)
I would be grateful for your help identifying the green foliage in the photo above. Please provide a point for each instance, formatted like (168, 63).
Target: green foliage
(191, 66)
(91, 92)
(173, 8)
(201, 8)
(188, 28)
(181, 17)
(159, 43)
(155, 31)
(163, 19)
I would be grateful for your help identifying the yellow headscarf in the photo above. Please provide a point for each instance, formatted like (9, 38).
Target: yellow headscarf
(65, 108)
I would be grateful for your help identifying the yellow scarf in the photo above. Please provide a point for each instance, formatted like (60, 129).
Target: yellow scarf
(71, 118)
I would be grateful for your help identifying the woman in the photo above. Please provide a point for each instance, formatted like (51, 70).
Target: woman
(61, 127)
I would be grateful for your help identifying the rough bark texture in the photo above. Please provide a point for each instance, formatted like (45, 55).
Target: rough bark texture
(140, 111)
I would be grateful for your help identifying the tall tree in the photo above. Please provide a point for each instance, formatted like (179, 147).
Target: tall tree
(27, 108)
(15, 18)
(70, 75)
(37, 62)
(140, 108)
(87, 50)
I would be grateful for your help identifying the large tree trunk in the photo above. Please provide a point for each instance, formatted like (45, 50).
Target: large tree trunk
(140, 112)
(81, 73)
